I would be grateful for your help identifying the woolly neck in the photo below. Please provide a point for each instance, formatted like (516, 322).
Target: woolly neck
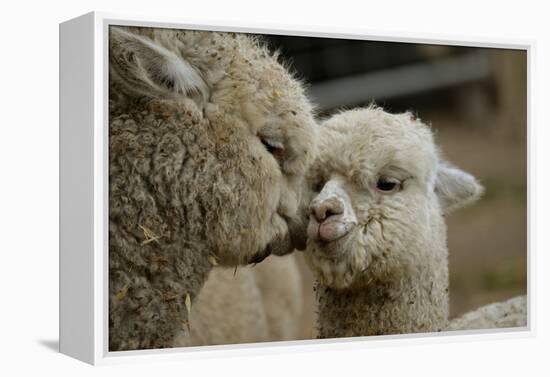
(409, 305)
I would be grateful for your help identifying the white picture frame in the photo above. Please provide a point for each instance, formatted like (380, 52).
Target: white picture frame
(84, 193)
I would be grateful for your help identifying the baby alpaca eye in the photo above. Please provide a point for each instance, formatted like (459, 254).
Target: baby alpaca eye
(387, 185)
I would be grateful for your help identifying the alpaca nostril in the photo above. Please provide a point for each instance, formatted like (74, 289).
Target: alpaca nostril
(326, 209)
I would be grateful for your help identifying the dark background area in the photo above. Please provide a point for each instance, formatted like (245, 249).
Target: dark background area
(475, 99)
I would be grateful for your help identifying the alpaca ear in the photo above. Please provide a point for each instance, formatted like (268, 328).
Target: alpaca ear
(144, 67)
(455, 188)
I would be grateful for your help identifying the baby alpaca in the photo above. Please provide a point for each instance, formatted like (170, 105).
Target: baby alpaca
(377, 234)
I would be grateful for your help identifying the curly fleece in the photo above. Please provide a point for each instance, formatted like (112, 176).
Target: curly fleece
(190, 177)
(389, 274)
(506, 314)
(263, 303)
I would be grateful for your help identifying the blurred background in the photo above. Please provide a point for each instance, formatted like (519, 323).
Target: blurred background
(475, 99)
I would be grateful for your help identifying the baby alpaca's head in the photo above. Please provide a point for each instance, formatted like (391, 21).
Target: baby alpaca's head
(382, 193)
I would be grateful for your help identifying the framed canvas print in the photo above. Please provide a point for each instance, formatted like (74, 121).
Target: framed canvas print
(225, 187)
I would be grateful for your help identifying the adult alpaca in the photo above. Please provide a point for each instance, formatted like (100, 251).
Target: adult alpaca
(209, 140)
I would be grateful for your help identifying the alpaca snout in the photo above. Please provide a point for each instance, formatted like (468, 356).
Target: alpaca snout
(329, 220)
(324, 209)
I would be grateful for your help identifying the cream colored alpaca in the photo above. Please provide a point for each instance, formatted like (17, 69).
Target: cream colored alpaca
(209, 140)
(507, 314)
(251, 304)
(377, 234)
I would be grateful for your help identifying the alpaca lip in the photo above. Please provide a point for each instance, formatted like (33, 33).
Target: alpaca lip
(281, 245)
(257, 258)
(328, 231)
(333, 230)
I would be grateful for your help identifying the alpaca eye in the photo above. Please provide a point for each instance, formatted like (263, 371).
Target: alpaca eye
(387, 185)
(318, 187)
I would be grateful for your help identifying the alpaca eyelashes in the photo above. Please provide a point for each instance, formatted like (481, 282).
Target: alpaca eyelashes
(318, 187)
(387, 185)
(168, 82)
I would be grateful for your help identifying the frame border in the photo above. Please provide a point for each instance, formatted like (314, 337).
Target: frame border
(99, 175)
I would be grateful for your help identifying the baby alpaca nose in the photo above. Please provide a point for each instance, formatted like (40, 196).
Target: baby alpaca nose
(324, 209)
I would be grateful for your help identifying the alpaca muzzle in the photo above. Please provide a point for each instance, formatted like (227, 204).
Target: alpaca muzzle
(330, 219)
(281, 245)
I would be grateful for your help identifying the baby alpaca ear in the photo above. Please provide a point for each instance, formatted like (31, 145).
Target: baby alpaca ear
(455, 188)
(146, 68)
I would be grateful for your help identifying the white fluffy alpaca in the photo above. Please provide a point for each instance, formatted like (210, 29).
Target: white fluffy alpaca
(510, 313)
(252, 304)
(377, 235)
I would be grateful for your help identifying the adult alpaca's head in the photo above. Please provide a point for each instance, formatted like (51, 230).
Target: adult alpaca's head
(383, 191)
(251, 135)
(210, 138)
